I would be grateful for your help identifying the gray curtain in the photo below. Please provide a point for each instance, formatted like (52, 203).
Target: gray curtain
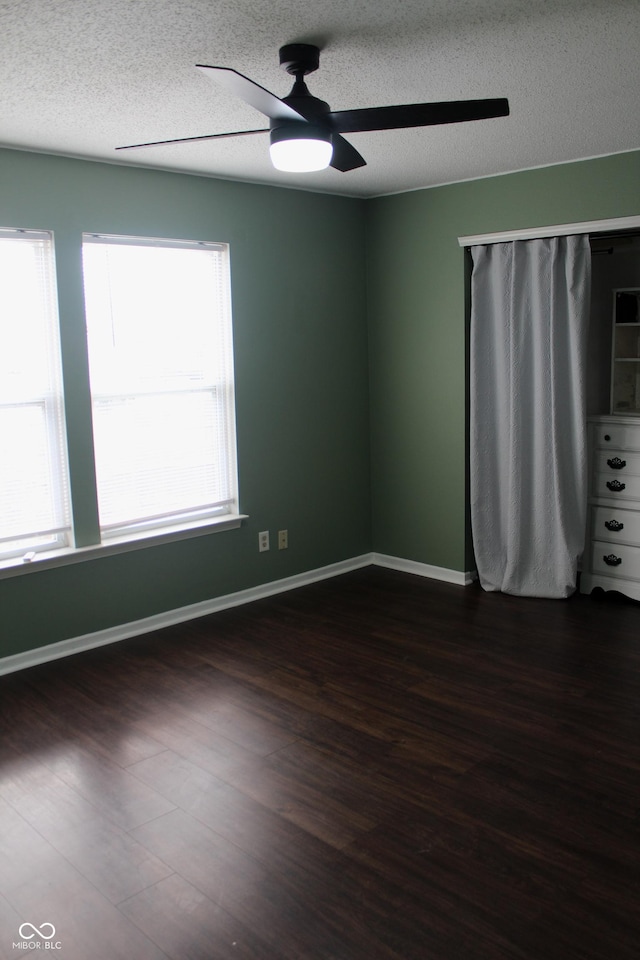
(529, 319)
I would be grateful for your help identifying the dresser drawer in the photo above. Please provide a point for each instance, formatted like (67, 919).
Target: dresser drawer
(615, 525)
(625, 487)
(617, 462)
(621, 436)
(621, 560)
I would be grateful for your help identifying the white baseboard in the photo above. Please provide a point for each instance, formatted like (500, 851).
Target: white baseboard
(124, 631)
(424, 569)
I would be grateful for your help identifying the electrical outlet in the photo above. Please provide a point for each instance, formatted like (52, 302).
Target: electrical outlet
(263, 541)
(283, 539)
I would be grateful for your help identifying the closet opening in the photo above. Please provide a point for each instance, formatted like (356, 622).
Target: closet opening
(611, 368)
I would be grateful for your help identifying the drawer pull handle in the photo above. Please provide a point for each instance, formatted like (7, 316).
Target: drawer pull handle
(611, 560)
(614, 525)
(616, 463)
(615, 485)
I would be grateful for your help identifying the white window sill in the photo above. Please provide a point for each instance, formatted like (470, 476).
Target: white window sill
(16, 567)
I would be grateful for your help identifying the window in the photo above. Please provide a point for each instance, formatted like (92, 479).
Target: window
(161, 395)
(161, 368)
(34, 489)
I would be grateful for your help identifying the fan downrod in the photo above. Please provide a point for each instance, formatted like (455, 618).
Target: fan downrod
(299, 59)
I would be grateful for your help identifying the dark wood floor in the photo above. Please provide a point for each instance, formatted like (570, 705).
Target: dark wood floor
(376, 767)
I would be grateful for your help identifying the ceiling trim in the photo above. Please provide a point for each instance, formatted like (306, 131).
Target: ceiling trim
(555, 230)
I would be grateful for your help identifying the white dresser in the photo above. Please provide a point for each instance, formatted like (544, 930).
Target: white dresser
(612, 550)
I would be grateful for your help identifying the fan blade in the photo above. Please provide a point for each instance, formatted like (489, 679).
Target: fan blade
(345, 157)
(210, 136)
(252, 93)
(417, 115)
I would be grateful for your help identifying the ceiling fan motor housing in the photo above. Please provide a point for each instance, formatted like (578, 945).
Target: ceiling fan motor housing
(311, 108)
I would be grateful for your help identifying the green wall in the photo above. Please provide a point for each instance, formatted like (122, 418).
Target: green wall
(417, 335)
(298, 289)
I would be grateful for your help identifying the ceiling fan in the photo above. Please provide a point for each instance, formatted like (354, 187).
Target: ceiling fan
(306, 135)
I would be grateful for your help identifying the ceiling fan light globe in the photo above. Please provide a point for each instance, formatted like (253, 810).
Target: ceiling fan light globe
(300, 150)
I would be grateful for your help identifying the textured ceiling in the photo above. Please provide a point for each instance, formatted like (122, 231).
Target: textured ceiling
(80, 77)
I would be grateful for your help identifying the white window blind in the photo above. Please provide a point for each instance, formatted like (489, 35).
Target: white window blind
(161, 365)
(34, 489)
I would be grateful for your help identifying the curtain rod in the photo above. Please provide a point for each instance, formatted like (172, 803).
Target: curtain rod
(555, 230)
